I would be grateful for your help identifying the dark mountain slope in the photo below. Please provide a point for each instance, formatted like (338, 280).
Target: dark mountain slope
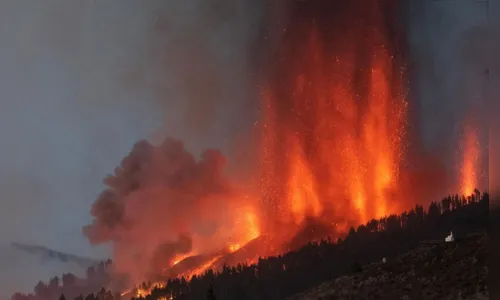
(456, 270)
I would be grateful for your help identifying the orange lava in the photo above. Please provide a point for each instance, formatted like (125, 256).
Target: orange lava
(333, 136)
(179, 258)
(201, 269)
(470, 161)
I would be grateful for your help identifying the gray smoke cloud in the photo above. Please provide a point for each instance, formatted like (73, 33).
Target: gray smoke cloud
(449, 42)
(157, 195)
(81, 82)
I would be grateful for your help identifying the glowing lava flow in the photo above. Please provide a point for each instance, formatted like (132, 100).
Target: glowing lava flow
(470, 161)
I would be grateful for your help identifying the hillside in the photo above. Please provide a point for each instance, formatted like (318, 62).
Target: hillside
(316, 265)
(456, 270)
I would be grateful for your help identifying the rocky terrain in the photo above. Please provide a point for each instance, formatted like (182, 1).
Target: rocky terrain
(434, 270)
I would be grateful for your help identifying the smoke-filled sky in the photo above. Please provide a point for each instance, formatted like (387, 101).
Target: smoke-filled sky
(81, 82)
(449, 44)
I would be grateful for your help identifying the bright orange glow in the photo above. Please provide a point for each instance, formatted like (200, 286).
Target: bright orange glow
(338, 146)
(234, 247)
(303, 196)
(201, 269)
(179, 258)
(141, 292)
(470, 161)
(246, 227)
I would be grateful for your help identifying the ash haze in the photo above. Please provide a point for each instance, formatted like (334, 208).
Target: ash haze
(81, 82)
(449, 42)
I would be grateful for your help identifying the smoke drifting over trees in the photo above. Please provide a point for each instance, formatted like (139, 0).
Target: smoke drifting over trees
(156, 196)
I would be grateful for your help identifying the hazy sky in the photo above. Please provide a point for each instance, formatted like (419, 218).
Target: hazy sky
(82, 81)
(67, 113)
(449, 42)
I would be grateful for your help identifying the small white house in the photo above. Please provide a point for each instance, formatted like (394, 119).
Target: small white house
(449, 238)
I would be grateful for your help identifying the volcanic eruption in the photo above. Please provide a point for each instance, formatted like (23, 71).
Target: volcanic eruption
(333, 135)
(332, 127)
(469, 169)
(334, 122)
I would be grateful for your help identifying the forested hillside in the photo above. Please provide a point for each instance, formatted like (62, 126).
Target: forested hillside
(317, 262)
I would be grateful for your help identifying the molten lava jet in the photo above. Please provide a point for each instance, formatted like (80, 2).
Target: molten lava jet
(470, 160)
(334, 124)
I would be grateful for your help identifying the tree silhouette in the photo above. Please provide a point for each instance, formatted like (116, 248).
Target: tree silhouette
(68, 280)
(210, 293)
(90, 297)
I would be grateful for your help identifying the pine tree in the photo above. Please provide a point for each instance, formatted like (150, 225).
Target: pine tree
(210, 293)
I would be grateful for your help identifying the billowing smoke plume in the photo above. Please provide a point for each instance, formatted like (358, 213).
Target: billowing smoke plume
(167, 252)
(162, 202)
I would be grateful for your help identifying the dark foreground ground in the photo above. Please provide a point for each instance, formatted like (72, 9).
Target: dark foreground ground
(456, 270)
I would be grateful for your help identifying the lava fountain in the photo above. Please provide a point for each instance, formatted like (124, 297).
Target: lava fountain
(470, 160)
(334, 124)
